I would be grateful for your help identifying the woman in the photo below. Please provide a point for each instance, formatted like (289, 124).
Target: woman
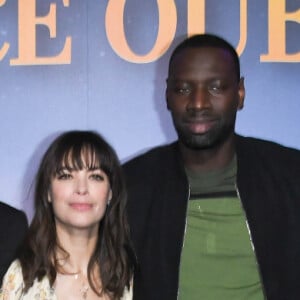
(77, 245)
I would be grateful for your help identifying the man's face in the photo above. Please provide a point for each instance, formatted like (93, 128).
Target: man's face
(203, 95)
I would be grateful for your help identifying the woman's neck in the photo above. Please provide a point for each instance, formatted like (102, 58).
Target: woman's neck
(79, 245)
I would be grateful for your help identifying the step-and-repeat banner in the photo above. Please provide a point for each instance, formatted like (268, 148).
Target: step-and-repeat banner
(102, 65)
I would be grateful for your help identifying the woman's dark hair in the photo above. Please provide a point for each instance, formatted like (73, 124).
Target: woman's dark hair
(113, 252)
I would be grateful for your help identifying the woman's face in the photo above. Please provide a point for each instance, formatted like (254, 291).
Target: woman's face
(79, 198)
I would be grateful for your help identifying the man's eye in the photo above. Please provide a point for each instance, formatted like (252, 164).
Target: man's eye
(182, 90)
(215, 88)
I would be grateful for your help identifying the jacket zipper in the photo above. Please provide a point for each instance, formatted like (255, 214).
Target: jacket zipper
(183, 238)
(251, 241)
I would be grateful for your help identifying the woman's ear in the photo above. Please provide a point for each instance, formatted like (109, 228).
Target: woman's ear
(109, 197)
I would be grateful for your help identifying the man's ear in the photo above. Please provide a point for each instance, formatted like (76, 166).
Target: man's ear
(166, 95)
(167, 101)
(241, 93)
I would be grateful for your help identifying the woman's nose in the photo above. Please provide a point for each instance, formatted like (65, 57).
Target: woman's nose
(81, 186)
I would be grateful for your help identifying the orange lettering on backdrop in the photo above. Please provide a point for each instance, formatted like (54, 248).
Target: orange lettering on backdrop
(114, 26)
(196, 21)
(5, 47)
(196, 17)
(277, 33)
(27, 35)
(243, 27)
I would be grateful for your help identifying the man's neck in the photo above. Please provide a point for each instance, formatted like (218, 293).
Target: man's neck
(210, 158)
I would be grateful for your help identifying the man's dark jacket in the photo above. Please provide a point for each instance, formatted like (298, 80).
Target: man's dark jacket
(13, 227)
(268, 184)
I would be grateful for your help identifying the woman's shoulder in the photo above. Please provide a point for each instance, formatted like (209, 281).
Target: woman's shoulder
(128, 292)
(14, 273)
(13, 286)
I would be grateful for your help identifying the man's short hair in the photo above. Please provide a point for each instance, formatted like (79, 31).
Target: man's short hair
(207, 40)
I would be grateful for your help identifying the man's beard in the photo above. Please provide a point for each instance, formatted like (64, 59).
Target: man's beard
(211, 139)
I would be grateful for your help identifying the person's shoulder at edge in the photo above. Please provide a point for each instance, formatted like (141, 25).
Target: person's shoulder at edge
(8, 213)
(14, 225)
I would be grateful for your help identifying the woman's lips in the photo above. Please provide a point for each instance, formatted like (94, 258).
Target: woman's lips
(81, 206)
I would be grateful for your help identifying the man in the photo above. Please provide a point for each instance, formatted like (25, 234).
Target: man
(13, 224)
(214, 215)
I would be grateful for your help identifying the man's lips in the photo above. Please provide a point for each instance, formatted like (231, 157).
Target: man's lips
(200, 125)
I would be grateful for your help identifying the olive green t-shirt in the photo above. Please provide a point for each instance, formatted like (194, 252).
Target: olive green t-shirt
(217, 261)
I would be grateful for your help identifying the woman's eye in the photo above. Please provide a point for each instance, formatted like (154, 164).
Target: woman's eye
(64, 176)
(97, 177)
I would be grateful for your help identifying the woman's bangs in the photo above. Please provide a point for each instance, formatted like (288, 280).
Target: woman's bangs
(77, 158)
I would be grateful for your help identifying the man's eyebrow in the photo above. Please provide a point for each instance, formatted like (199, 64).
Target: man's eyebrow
(171, 80)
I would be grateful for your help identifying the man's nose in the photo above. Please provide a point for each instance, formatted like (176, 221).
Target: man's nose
(199, 99)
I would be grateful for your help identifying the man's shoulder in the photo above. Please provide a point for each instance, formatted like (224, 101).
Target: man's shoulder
(153, 164)
(267, 148)
(152, 156)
